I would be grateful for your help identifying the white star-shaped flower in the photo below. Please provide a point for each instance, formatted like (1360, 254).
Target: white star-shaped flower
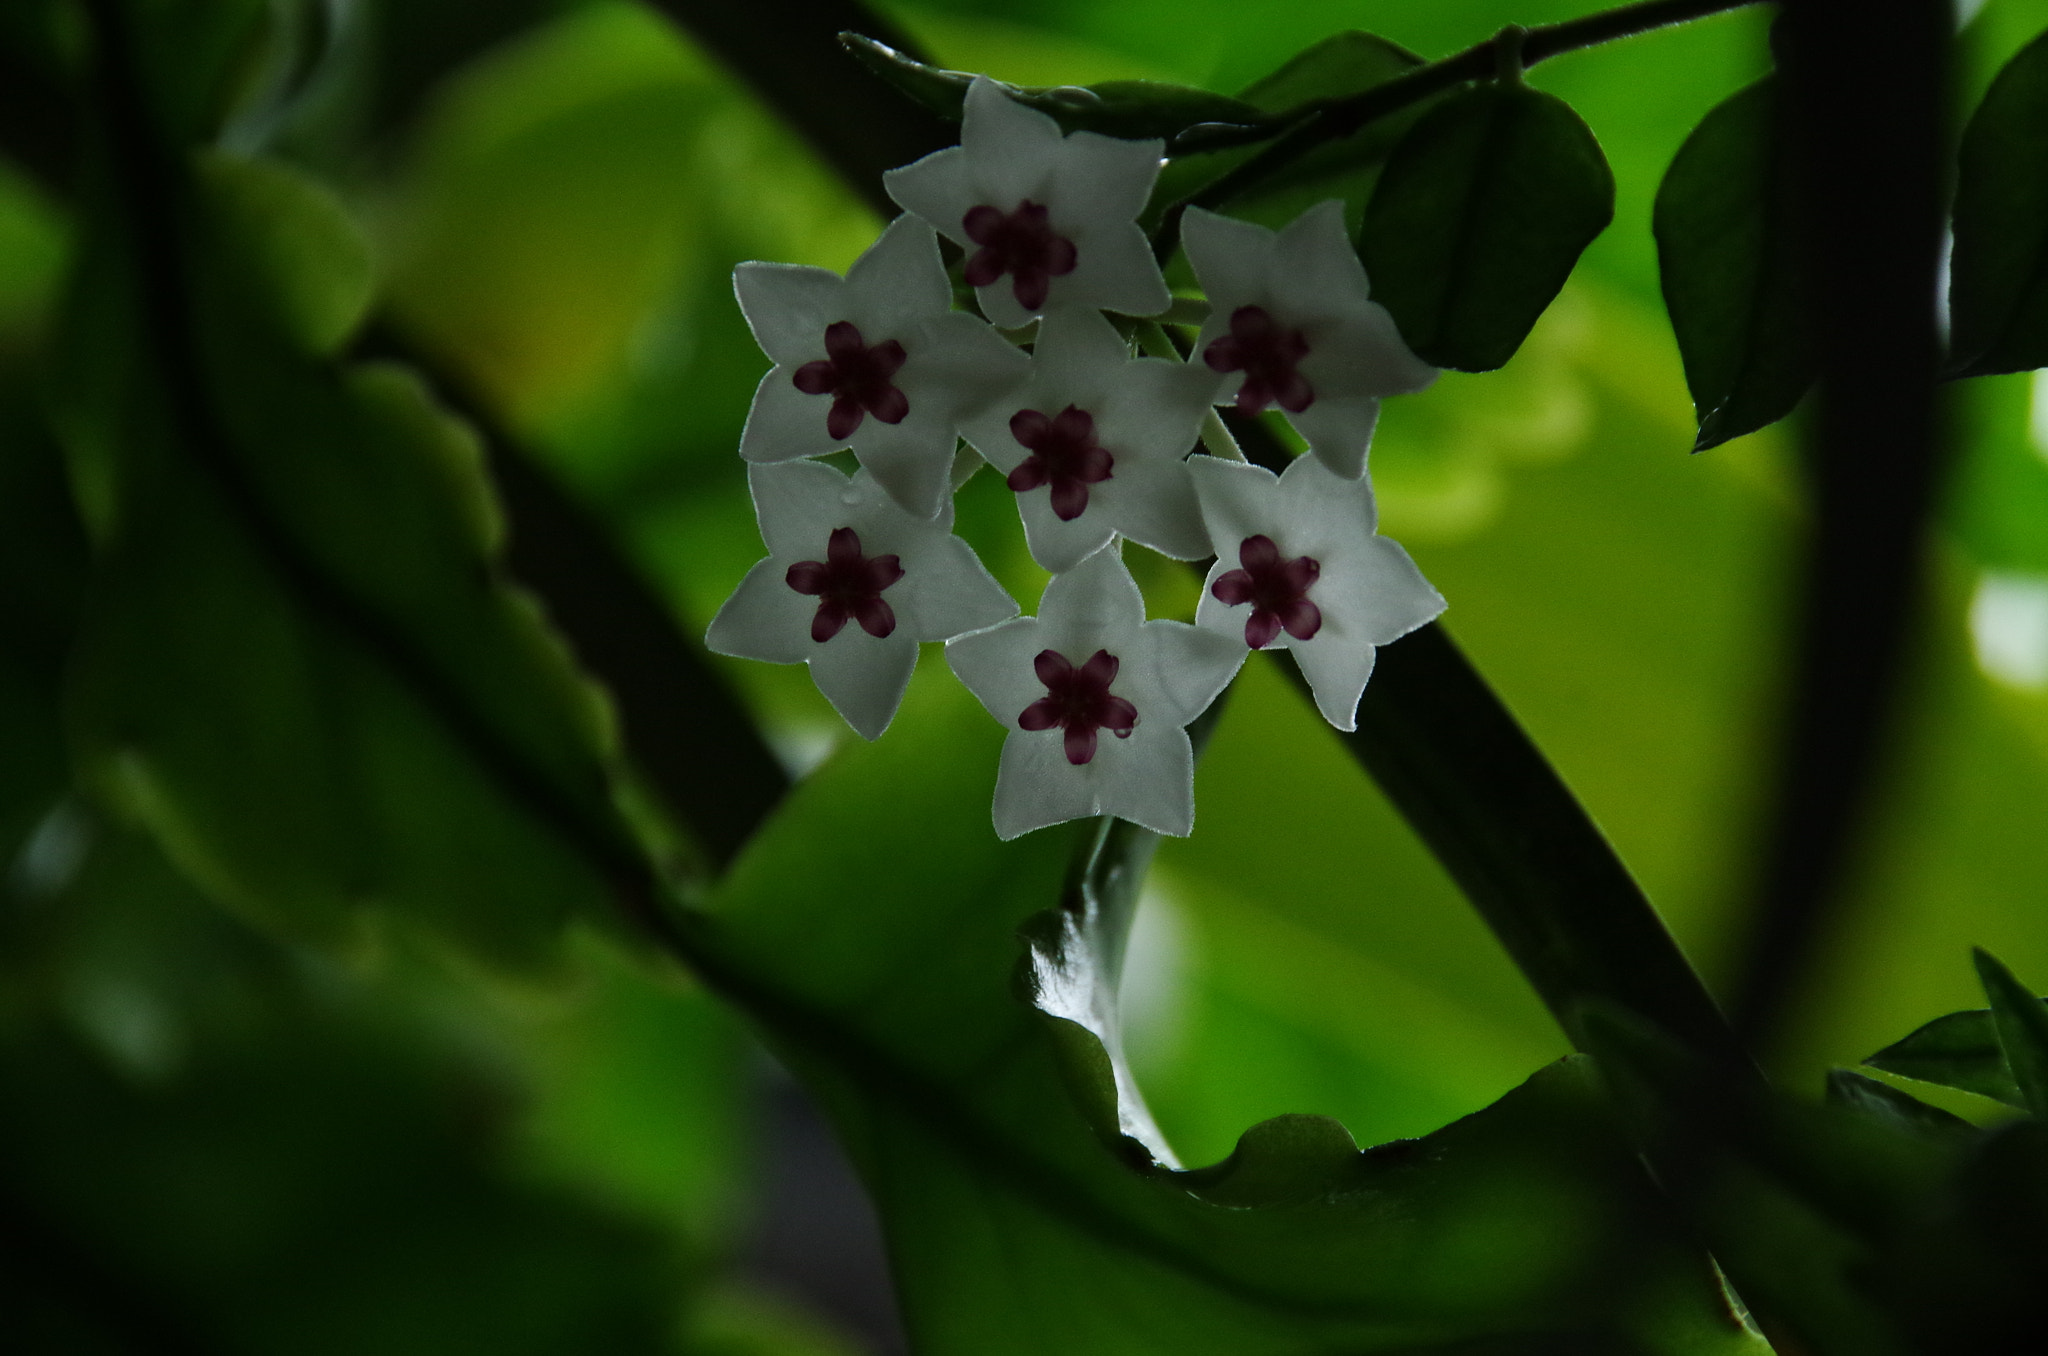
(1095, 443)
(852, 583)
(1097, 702)
(1047, 220)
(877, 361)
(1301, 566)
(1292, 323)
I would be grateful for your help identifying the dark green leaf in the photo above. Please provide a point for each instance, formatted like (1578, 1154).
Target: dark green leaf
(2021, 1021)
(1726, 249)
(883, 917)
(1477, 220)
(298, 667)
(1339, 65)
(209, 1145)
(1885, 1104)
(43, 556)
(1957, 1051)
(1998, 278)
(1134, 109)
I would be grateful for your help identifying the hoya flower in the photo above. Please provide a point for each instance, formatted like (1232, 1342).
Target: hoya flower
(1292, 324)
(852, 583)
(1097, 702)
(1095, 443)
(1047, 220)
(876, 361)
(1301, 566)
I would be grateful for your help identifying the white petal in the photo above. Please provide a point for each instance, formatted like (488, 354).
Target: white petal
(1232, 259)
(1152, 501)
(1149, 778)
(995, 665)
(899, 281)
(999, 302)
(1079, 354)
(1059, 545)
(1338, 430)
(957, 365)
(1113, 269)
(1337, 668)
(1103, 179)
(936, 188)
(1096, 604)
(788, 306)
(912, 460)
(1036, 786)
(1331, 510)
(1188, 666)
(1237, 500)
(1011, 150)
(785, 423)
(764, 619)
(1315, 269)
(1212, 613)
(798, 504)
(1362, 353)
(1392, 597)
(864, 676)
(946, 592)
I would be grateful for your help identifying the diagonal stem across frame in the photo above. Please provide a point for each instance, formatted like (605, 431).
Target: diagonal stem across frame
(1325, 122)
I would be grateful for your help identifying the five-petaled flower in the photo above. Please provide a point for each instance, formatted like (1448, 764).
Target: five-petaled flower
(1291, 311)
(1094, 443)
(1089, 662)
(1048, 220)
(1300, 566)
(877, 361)
(852, 583)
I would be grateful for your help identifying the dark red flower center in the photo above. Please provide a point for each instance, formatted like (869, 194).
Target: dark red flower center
(1022, 244)
(1064, 455)
(1276, 588)
(847, 584)
(1078, 701)
(857, 378)
(1267, 353)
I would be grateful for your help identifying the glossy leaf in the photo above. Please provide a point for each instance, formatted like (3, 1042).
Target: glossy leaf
(1957, 1051)
(1885, 1104)
(1478, 219)
(1998, 274)
(2021, 1021)
(1136, 110)
(1339, 65)
(1001, 1148)
(1726, 251)
(298, 666)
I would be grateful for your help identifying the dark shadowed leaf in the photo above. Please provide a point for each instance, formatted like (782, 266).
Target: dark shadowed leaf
(298, 665)
(1478, 218)
(1884, 1103)
(2021, 1021)
(1725, 248)
(1341, 64)
(1998, 276)
(1007, 1159)
(1133, 109)
(43, 556)
(1957, 1051)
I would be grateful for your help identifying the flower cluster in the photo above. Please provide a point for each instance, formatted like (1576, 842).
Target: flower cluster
(1095, 443)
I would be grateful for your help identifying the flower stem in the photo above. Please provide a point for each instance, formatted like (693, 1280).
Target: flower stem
(1324, 122)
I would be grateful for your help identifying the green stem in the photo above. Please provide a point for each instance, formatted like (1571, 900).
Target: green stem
(1327, 122)
(1477, 790)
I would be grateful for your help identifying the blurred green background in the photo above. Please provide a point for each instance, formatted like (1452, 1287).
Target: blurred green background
(554, 195)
